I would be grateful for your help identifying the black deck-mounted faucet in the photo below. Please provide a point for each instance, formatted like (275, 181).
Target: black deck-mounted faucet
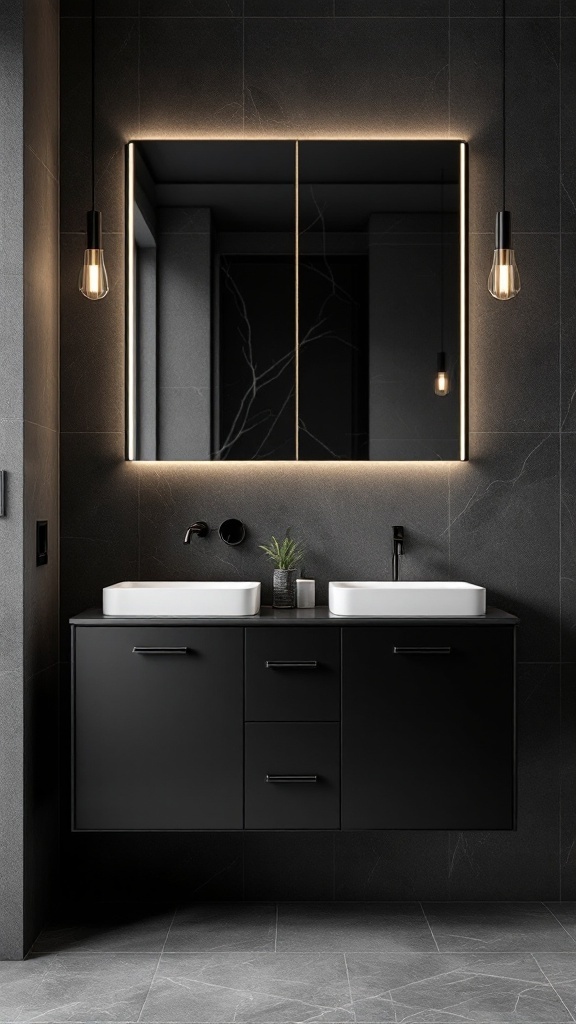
(200, 528)
(397, 550)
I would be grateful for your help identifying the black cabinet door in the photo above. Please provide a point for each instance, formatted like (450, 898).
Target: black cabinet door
(158, 731)
(428, 727)
(293, 674)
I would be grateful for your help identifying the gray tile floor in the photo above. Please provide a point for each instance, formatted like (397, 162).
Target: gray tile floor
(432, 963)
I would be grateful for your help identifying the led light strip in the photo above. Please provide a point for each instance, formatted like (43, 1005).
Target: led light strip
(130, 309)
(463, 308)
(131, 397)
(296, 308)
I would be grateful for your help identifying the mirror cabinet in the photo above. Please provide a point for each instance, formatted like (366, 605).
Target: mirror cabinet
(296, 300)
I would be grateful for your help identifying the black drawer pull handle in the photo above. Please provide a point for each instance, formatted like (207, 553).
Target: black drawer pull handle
(291, 778)
(422, 650)
(160, 650)
(291, 664)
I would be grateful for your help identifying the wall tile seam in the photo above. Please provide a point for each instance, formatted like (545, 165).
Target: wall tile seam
(33, 153)
(42, 426)
(31, 676)
(480, 433)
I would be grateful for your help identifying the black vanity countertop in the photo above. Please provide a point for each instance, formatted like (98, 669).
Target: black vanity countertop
(319, 616)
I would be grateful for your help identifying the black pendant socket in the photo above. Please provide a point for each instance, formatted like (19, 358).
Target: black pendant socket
(503, 230)
(441, 362)
(94, 229)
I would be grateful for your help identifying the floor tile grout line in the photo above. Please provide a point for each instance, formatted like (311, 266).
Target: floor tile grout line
(349, 986)
(553, 987)
(158, 964)
(429, 926)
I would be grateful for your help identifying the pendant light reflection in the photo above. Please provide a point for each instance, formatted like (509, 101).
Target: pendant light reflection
(93, 279)
(442, 379)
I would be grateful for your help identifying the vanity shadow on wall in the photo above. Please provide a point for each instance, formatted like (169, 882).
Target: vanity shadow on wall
(291, 300)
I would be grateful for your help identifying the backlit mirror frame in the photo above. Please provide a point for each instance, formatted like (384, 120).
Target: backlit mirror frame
(131, 369)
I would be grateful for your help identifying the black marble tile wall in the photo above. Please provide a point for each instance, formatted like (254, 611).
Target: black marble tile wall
(283, 69)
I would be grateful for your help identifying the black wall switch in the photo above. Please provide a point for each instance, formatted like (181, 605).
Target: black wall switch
(41, 542)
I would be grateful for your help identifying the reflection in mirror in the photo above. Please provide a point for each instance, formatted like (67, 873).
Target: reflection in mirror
(379, 300)
(364, 241)
(214, 308)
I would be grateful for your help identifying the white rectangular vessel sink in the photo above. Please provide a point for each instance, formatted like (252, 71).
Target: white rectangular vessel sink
(188, 598)
(406, 599)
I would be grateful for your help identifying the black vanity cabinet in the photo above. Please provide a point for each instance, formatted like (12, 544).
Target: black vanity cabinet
(293, 720)
(158, 721)
(428, 727)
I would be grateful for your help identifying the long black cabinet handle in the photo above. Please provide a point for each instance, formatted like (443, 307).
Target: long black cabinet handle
(291, 778)
(160, 650)
(291, 664)
(422, 650)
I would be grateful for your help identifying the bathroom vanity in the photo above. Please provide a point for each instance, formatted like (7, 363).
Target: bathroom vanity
(293, 720)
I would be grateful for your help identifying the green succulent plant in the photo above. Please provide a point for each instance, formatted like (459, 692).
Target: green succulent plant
(285, 554)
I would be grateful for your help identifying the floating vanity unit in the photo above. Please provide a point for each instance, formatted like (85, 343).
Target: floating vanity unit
(293, 720)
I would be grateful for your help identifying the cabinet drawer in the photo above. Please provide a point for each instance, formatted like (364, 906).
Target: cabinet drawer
(293, 674)
(292, 775)
(158, 727)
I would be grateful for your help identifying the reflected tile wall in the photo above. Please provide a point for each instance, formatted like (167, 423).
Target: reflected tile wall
(424, 68)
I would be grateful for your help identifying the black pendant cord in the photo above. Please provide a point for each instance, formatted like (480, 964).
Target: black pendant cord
(93, 113)
(503, 104)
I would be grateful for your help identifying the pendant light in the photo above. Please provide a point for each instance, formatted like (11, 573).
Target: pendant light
(93, 279)
(442, 378)
(504, 279)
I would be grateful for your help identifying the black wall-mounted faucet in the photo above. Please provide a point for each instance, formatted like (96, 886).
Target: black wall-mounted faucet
(200, 528)
(231, 531)
(397, 550)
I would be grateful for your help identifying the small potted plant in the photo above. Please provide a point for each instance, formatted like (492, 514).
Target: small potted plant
(284, 556)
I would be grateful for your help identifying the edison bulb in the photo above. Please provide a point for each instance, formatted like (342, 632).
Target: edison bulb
(504, 279)
(442, 378)
(441, 383)
(93, 280)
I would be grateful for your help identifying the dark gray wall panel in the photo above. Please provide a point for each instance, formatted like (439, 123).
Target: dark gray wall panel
(117, 91)
(91, 360)
(568, 332)
(187, 97)
(515, 347)
(389, 865)
(362, 80)
(504, 529)
(568, 547)
(521, 864)
(363, 67)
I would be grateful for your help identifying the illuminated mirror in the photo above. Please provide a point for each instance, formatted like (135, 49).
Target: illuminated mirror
(296, 300)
